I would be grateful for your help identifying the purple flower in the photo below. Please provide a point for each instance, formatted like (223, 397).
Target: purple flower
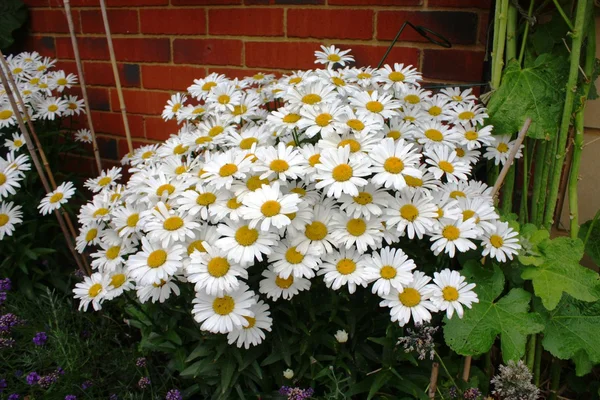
(2, 297)
(472, 394)
(296, 393)
(174, 394)
(87, 384)
(47, 380)
(40, 338)
(14, 396)
(70, 397)
(140, 362)
(144, 382)
(7, 321)
(3, 385)
(33, 378)
(5, 285)
(6, 343)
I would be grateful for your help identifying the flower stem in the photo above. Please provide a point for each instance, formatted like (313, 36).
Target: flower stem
(445, 369)
(523, 209)
(537, 364)
(554, 379)
(526, 32)
(577, 41)
(498, 53)
(540, 156)
(590, 58)
(564, 16)
(511, 33)
(531, 352)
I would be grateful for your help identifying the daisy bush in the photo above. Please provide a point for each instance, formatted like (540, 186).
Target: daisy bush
(272, 186)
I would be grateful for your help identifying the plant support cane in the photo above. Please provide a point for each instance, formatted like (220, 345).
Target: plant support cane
(84, 94)
(113, 61)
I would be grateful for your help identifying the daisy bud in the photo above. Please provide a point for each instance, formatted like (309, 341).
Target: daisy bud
(288, 374)
(341, 336)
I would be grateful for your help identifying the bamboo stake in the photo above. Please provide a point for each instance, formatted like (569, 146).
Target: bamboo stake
(511, 157)
(467, 368)
(435, 370)
(84, 94)
(37, 164)
(113, 61)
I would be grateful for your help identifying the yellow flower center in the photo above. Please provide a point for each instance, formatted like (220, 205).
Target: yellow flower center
(95, 290)
(323, 119)
(356, 227)
(440, 213)
(172, 223)
(105, 181)
(409, 297)
(208, 85)
(363, 198)
(251, 322)
(224, 99)
(246, 236)
(239, 110)
(502, 147)
(291, 216)
(270, 208)
(315, 230)
(34, 81)
(180, 170)
(450, 294)
(455, 194)
(299, 191)
(346, 266)
(409, 212)
(355, 124)
(434, 111)
(466, 115)
(460, 152)
(5, 114)
(457, 98)
(311, 99)
(434, 134)
(246, 144)
(52, 107)
(333, 57)
(180, 149)
(338, 81)
(157, 258)
(91, 234)
(223, 305)
(314, 159)
(254, 182)
(55, 198)
(218, 267)
(291, 118)
(61, 82)
(195, 245)
(279, 166)
(176, 107)
(258, 77)
(233, 204)
(198, 110)
(412, 99)
(215, 130)
(132, 220)
(364, 75)
(206, 199)
(451, 232)
(468, 214)
(117, 280)
(471, 135)
(113, 252)
(496, 241)
(18, 70)
(147, 155)
(228, 170)
(101, 212)
(167, 187)
(446, 166)
(374, 106)
(160, 284)
(396, 76)
(394, 135)
(284, 283)
(342, 173)
(3, 219)
(388, 272)
(354, 145)
(203, 139)
(295, 80)
(393, 165)
(293, 256)
(43, 85)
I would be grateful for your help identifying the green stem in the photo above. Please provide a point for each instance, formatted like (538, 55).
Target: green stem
(531, 352)
(591, 228)
(498, 53)
(540, 156)
(564, 16)
(588, 69)
(445, 369)
(507, 190)
(563, 133)
(488, 364)
(537, 364)
(511, 33)
(554, 379)
(526, 32)
(523, 209)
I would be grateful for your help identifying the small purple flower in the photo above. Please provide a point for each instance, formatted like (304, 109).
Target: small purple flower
(296, 393)
(8, 321)
(70, 397)
(18, 373)
(32, 378)
(47, 380)
(472, 394)
(174, 394)
(60, 371)
(144, 382)
(40, 339)
(6, 343)
(2, 297)
(140, 362)
(3, 385)
(86, 385)
(5, 285)
(14, 396)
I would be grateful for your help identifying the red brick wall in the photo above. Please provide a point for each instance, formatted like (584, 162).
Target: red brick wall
(162, 45)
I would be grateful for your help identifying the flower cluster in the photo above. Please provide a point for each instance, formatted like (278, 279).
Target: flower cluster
(318, 173)
(514, 382)
(296, 393)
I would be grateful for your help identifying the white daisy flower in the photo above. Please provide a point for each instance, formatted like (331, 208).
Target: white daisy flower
(309, 95)
(268, 206)
(451, 292)
(413, 212)
(10, 215)
(392, 269)
(224, 167)
(223, 97)
(398, 77)
(17, 142)
(106, 180)
(243, 244)
(501, 148)
(358, 143)
(275, 286)
(501, 243)
(93, 290)
(203, 236)
(7, 116)
(89, 235)
(436, 106)
(413, 301)
(174, 106)
(201, 200)
(129, 220)
(169, 226)
(284, 120)
(379, 106)
(111, 256)
(55, 199)
(323, 118)
(75, 106)
(51, 108)
(481, 209)
(342, 173)
(392, 161)
(253, 334)
(396, 128)
(457, 95)
(62, 81)
(288, 261)
(358, 232)
(155, 262)
(413, 95)
(370, 201)
(119, 282)
(466, 113)
(345, 267)
(444, 162)
(160, 291)
(98, 210)
(317, 233)
(282, 163)
(213, 273)
(474, 137)
(83, 136)
(202, 87)
(433, 134)
(332, 55)
(449, 237)
(9, 181)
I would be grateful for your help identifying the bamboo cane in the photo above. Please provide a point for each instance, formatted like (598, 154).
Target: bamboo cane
(435, 370)
(38, 166)
(113, 61)
(84, 94)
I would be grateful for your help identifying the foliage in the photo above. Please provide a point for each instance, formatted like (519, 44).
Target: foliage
(13, 15)
(592, 239)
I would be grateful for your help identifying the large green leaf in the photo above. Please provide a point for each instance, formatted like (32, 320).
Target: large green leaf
(572, 332)
(508, 317)
(13, 14)
(536, 92)
(560, 272)
(592, 246)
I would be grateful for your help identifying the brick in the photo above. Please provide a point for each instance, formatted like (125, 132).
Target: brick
(204, 2)
(36, 3)
(51, 21)
(335, 24)
(376, 2)
(83, 166)
(108, 149)
(67, 66)
(484, 4)
(113, 3)
(241, 73)
(456, 65)
(180, 21)
(126, 49)
(300, 2)
(112, 123)
(120, 21)
(284, 55)
(99, 97)
(366, 55)
(159, 129)
(207, 51)
(246, 21)
(124, 149)
(456, 26)
(101, 74)
(170, 77)
(140, 102)
(484, 27)
(45, 45)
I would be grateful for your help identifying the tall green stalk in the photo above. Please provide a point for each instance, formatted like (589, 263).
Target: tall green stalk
(526, 32)
(577, 40)
(541, 150)
(499, 44)
(588, 69)
(524, 209)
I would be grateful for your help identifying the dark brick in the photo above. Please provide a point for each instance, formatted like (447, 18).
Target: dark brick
(207, 51)
(132, 74)
(108, 148)
(453, 65)
(300, 2)
(485, 4)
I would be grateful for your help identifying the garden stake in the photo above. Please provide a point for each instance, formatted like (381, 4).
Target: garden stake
(84, 94)
(37, 164)
(435, 370)
(564, 179)
(511, 157)
(577, 37)
(113, 61)
(467, 368)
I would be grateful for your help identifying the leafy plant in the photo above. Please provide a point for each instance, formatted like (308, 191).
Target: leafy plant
(13, 15)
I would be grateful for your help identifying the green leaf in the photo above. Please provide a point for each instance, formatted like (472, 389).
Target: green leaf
(380, 380)
(508, 317)
(226, 374)
(572, 327)
(535, 92)
(13, 14)
(201, 350)
(560, 272)
(592, 247)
